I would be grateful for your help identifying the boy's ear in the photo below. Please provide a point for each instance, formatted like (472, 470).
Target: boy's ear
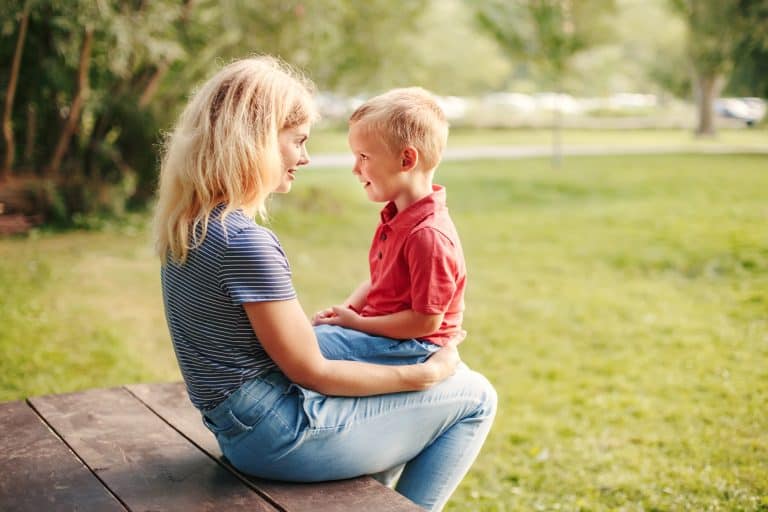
(409, 158)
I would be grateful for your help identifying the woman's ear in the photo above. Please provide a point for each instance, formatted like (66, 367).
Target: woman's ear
(409, 158)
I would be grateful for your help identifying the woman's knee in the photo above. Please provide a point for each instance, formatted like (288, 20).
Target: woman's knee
(484, 393)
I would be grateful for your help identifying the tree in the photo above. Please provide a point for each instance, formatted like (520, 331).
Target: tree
(110, 76)
(547, 34)
(721, 34)
(76, 106)
(750, 73)
(10, 146)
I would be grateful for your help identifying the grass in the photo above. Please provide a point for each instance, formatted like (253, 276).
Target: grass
(620, 306)
(330, 141)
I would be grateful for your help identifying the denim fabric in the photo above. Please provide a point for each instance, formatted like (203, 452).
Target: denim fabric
(274, 429)
(341, 343)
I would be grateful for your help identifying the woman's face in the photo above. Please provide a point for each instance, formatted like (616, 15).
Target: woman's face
(293, 150)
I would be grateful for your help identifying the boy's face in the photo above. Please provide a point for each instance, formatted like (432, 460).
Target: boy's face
(376, 166)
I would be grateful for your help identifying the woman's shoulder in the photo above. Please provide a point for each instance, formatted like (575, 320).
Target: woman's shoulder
(240, 232)
(237, 225)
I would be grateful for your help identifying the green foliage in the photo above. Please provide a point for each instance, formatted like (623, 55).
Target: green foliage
(148, 56)
(145, 59)
(714, 27)
(618, 304)
(750, 74)
(720, 34)
(547, 33)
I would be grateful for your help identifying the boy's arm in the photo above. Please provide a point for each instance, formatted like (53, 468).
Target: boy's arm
(402, 325)
(356, 299)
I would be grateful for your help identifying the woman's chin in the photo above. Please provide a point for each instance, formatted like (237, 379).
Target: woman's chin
(283, 188)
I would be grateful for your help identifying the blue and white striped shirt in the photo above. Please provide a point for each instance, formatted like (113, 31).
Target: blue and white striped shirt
(214, 342)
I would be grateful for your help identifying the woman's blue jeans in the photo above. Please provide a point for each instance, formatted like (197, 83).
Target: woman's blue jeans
(272, 428)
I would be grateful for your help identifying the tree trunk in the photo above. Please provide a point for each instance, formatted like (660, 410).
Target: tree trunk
(29, 141)
(77, 105)
(708, 88)
(557, 129)
(10, 145)
(154, 81)
(557, 136)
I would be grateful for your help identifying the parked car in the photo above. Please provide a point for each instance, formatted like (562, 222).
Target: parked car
(749, 110)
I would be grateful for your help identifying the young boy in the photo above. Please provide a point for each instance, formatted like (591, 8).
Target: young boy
(413, 302)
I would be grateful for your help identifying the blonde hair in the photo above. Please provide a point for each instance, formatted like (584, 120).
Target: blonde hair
(224, 149)
(407, 117)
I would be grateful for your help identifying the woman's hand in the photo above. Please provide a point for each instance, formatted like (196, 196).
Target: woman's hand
(444, 361)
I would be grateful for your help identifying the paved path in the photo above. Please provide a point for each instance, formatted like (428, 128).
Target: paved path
(471, 153)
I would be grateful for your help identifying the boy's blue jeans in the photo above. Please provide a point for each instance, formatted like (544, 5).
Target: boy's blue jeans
(272, 428)
(351, 345)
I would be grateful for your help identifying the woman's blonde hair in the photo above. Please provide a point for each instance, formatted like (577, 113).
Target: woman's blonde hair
(224, 149)
(404, 117)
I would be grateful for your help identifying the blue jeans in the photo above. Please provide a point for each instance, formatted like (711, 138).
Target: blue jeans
(272, 428)
(341, 343)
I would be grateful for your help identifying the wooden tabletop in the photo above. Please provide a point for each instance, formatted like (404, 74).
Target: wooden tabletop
(144, 448)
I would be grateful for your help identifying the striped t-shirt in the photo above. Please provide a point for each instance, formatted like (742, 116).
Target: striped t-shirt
(215, 345)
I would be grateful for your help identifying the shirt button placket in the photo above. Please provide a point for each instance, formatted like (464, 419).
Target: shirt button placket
(383, 238)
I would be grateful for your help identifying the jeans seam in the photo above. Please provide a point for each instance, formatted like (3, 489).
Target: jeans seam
(338, 428)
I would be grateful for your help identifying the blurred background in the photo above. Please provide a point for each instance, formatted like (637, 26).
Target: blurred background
(89, 86)
(606, 170)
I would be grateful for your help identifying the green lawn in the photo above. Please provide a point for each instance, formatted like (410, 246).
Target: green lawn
(620, 306)
(327, 140)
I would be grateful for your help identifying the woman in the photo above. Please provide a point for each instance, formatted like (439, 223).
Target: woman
(247, 351)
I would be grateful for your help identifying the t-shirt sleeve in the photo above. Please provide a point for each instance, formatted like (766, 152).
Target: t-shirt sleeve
(432, 265)
(254, 268)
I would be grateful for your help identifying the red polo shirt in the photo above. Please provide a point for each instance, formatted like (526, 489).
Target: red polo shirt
(417, 263)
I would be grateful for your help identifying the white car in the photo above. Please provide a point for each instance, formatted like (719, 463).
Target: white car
(749, 110)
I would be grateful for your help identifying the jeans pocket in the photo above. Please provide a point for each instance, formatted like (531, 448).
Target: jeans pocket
(244, 408)
(311, 404)
(226, 424)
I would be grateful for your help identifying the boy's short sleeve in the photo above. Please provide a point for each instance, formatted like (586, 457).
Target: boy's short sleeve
(432, 265)
(254, 268)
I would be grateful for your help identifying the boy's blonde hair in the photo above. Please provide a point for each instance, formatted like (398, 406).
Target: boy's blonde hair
(224, 149)
(407, 117)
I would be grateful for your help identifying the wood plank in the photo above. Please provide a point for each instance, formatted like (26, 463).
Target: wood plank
(39, 472)
(146, 463)
(170, 401)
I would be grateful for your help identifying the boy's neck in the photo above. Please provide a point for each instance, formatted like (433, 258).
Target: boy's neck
(419, 187)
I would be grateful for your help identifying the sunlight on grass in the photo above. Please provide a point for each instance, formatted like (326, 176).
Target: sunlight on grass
(620, 306)
(333, 141)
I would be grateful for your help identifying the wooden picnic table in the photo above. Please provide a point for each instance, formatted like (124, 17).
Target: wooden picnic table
(144, 448)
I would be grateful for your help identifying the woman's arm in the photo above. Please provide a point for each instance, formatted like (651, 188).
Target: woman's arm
(287, 336)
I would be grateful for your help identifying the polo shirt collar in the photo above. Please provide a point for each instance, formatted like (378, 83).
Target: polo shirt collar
(415, 212)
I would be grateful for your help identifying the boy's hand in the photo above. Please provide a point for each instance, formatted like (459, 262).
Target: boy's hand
(322, 315)
(336, 315)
